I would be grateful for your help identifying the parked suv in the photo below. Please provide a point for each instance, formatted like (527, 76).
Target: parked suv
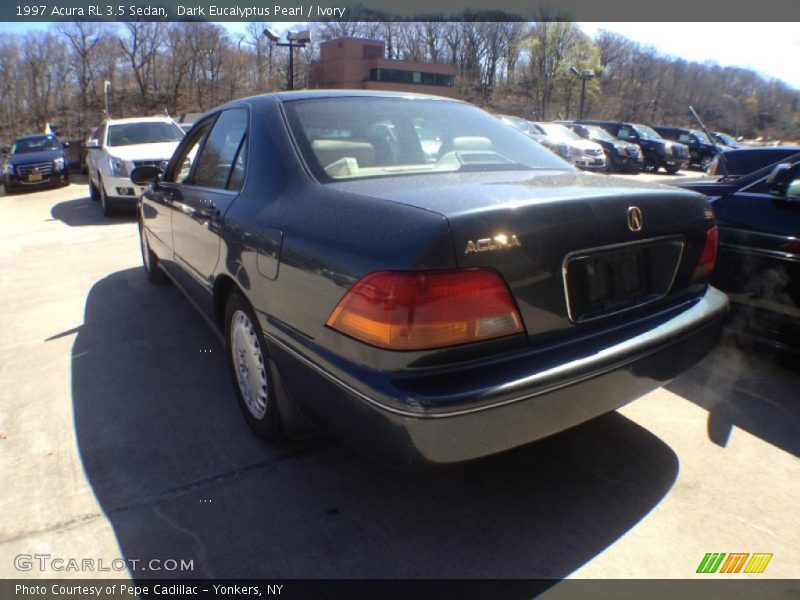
(532, 130)
(35, 160)
(658, 152)
(620, 156)
(581, 152)
(121, 145)
(701, 149)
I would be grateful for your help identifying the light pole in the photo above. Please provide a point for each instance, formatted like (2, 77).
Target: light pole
(106, 86)
(738, 110)
(297, 39)
(583, 74)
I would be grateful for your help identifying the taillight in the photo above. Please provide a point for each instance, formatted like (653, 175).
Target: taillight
(708, 257)
(402, 310)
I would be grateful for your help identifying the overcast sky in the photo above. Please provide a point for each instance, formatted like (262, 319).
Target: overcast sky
(769, 48)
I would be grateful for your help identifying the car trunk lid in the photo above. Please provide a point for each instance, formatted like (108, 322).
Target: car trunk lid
(576, 250)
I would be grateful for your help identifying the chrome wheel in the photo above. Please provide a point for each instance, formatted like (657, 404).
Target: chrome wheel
(248, 364)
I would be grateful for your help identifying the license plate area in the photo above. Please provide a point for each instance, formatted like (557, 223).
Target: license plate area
(34, 177)
(605, 281)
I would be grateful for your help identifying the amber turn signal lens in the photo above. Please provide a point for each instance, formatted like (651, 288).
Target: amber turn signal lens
(402, 310)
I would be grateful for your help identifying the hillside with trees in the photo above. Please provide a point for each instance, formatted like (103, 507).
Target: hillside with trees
(512, 67)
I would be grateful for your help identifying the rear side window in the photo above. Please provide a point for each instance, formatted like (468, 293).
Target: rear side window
(236, 180)
(216, 160)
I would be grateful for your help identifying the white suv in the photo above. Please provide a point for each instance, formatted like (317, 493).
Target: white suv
(121, 145)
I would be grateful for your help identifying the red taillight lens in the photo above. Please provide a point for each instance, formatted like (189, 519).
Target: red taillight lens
(708, 257)
(422, 310)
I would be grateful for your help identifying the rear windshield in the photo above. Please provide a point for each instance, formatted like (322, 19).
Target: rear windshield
(359, 137)
(146, 132)
(37, 144)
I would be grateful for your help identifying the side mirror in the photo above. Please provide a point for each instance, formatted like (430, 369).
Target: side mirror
(781, 177)
(145, 175)
(65, 144)
(92, 145)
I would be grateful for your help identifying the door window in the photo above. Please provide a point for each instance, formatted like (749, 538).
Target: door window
(181, 168)
(216, 159)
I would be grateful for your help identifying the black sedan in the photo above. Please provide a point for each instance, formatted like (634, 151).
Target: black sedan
(759, 257)
(33, 161)
(424, 282)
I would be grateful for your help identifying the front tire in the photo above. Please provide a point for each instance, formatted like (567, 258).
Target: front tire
(94, 193)
(672, 170)
(248, 360)
(150, 260)
(105, 203)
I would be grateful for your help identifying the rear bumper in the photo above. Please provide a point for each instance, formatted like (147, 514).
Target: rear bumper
(407, 419)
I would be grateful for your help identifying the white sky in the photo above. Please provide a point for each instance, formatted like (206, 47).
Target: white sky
(772, 49)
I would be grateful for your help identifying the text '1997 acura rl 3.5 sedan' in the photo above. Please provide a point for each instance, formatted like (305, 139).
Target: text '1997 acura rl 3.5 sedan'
(425, 283)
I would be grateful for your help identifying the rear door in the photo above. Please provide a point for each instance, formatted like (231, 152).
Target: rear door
(200, 201)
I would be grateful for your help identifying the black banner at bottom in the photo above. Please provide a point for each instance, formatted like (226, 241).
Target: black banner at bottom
(391, 589)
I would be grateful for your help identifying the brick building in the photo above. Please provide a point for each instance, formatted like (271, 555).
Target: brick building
(356, 63)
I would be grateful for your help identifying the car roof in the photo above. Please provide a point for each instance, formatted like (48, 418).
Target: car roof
(306, 94)
(316, 94)
(35, 136)
(788, 150)
(140, 120)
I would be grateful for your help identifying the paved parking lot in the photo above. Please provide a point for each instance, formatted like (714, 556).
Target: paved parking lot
(120, 438)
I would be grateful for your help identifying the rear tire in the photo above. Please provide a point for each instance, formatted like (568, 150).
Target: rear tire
(248, 360)
(672, 170)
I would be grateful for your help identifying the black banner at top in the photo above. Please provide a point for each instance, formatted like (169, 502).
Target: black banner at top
(397, 10)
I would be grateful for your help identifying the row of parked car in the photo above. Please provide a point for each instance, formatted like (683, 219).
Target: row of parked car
(618, 146)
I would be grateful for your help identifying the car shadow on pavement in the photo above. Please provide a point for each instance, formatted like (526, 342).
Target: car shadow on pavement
(749, 387)
(179, 475)
(83, 211)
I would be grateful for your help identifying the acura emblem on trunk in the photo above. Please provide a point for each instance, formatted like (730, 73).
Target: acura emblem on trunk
(497, 242)
(634, 218)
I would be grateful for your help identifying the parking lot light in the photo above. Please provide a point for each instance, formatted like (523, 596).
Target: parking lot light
(294, 39)
(583, 74)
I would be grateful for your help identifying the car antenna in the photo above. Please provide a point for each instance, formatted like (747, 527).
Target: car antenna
(713, 141)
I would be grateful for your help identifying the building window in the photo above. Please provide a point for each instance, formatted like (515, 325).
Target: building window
(413, 77)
